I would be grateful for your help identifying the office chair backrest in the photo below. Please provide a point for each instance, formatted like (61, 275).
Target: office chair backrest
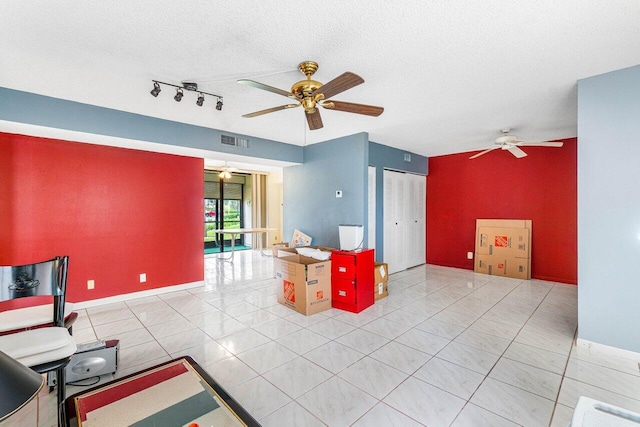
(35, 284)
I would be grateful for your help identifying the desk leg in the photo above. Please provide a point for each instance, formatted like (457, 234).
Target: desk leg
(233, 246)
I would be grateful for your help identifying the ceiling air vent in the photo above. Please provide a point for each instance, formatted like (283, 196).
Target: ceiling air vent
(233, 141)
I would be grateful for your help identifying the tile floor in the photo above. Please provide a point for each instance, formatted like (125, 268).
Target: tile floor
(447, 348)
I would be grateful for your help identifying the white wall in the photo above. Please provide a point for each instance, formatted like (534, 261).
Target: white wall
(609, 209)
(274, 208)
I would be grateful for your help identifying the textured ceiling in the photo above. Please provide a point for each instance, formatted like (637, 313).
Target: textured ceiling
(450, 74)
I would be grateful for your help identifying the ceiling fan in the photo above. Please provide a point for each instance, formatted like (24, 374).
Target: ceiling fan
(226, 170)
(310, 94)
(512, 144)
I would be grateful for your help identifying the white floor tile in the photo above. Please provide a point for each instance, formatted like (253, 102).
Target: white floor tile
(384, 415)
(297, 376)
(373, 377)
(537, 357)
(529, 378)
(291, 415)
(336, 402)
(363, 341)
(267, 357)
(475, 416)
(334, 356)
(450, 377)
(401, 357)
(469, 357)
(259, 397)
(425, 403)
(302, 341)
(513, 403)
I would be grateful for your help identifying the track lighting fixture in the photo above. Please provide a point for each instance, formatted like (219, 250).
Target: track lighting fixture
(186, 86)
(179, 95)
(156, 89)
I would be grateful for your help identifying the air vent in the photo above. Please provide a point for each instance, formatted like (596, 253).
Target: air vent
(233, 141)
(407, 157)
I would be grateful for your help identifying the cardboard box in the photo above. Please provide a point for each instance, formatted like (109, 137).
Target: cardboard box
(510, 242)
(286, 251)
(381, 279)
(503, 223)
(277, 246)
(304, 284)
(496, 265)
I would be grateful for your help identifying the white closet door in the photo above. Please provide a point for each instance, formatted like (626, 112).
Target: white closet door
(371, 209)
(395, 221)
(421, 217)
(416, 220)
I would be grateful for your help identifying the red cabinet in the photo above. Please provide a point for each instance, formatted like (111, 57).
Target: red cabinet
(352, 279)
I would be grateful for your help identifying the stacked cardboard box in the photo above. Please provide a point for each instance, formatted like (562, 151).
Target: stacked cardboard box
(304, 284)
(381, 279)
(503, 247)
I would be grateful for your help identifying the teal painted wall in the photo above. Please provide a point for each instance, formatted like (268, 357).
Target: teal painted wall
(309, 189)
(608, 209)
(385, 157)
(30, 108)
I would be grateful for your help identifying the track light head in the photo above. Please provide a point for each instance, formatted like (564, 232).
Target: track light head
(219, 104)
(156, 89)
(200, 100)
(179, 95)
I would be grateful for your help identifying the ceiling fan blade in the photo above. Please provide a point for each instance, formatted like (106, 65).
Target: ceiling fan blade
(516, 152)
(541, 144)
(314, 120)
(368, 110)
(339, 84)
(483, 152)
(270, 110)
(267, 88)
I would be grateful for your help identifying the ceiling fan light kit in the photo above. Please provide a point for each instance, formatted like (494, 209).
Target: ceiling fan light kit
(188, 86)
(310, 94)
(512, 144)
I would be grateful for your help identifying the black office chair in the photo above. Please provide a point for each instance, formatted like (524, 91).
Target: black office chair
(32, 318)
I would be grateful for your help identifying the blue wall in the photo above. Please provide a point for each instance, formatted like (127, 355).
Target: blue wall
(609, 209)
(25, 107)
(309, 190)
(385, 157)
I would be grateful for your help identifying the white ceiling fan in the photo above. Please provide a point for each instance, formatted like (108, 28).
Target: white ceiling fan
(226, 170)
(512, 144)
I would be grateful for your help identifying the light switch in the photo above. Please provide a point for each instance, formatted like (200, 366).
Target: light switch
(338, 194)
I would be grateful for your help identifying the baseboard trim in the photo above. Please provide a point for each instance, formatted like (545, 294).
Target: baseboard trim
(607, 349)
(125, 297)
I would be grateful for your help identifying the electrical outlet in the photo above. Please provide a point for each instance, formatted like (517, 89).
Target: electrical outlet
(143, 277)
(469, 255)
(91, 284)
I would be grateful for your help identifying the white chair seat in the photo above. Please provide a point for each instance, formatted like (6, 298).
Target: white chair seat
(37, 346)
(27, 317)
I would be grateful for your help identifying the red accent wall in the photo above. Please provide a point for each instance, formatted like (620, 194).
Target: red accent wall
(541, 187)
(116, 212)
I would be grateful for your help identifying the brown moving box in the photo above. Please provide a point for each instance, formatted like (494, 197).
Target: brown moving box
(503, 223)
(510, 242)
(503, 247)
(381, 278)
(496, 265)
(304, 284)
